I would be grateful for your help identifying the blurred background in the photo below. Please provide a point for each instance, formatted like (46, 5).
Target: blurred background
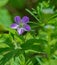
(11, 8)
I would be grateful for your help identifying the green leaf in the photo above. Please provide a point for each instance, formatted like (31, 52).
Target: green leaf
(30, 63)
(9, 43)
(8, 56)
(3, 2)
(21, 59)
(5, 18)
(50, 62)
(38, 60)
(4, 50)
(33, 44)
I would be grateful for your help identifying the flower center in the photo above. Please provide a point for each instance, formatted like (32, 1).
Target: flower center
(21, 25)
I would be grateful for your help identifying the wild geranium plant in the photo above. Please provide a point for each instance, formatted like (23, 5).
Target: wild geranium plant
(38, 46)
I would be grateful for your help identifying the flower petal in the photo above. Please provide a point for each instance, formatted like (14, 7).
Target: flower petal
(25, 19)
(27, 27)
(17, 19)
(14, 26)
(20, 31)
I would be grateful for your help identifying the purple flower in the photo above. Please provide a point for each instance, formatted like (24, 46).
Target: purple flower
(21, 24)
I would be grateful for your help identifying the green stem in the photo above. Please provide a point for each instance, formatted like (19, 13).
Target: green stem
(49, 40)
(48, 46)
(32, 15)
